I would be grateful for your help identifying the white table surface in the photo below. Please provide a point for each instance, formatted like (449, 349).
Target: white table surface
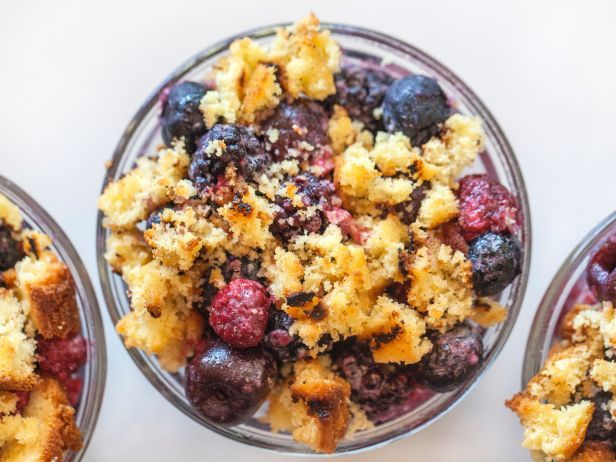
(73, 73)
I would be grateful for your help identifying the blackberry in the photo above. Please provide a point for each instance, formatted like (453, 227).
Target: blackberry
(375, 387)
(11, 251)
(181, 116)
(290, 221)
(240, 268)
(602, 426)
(360, 91)
(226, 145)
(416, 106)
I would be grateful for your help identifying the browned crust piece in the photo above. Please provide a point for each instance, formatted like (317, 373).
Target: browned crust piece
(55, 427)
(327, 402)
(53, 306)
(594, 451)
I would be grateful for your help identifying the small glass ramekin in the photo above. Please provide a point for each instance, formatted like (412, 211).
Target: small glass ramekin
(566, 289)
(95, 369)
(370, 49)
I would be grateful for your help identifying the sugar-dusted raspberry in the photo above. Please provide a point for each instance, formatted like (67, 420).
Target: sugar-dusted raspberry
(486, 205)
(239, 313)
(61, 357)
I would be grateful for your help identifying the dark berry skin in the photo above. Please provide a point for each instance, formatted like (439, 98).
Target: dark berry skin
(289, 220)
(601, 271)
(277, 338)
(496, 260)
(226, 386)
(408, 211)
(455, 355)
(602, 426)
(242, 149)
(10, 250)
(303, 120)
(375, 387)
(360, 91)
(415, 105)
(154, 217)
(239, 313)
(240, 268)
(181, 116)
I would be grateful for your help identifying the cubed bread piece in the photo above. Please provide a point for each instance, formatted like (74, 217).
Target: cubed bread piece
(561, 374)
(45, 431)
(487, 312)
(439, 206)
(396, 333)
(47, 291)
(16, 348)
(313, 405)
(130, 199)
(309, 58)
(126, 249)
(556, 432)
(594, 451)
(9, 213)
(604, 374)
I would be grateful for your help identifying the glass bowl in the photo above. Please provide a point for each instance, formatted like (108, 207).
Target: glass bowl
(370, 49)
(94, 371)
(566, 289)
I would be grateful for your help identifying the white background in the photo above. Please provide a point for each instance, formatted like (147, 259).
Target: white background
(72, 74)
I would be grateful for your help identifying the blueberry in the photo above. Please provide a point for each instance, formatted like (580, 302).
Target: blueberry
(303, 120)
(602, 426)
(496, 260)
(181, 116)
(415, 105)
(455, 355)
(277, 337)
(225, 145)
(360, 91)
(226, 386)
(10, 250)
(154, 217)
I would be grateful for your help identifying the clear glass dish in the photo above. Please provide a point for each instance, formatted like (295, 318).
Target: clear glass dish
(371, 49)
(565, 290)
(95, 370)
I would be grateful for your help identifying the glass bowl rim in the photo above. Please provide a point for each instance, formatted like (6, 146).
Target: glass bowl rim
(533, 355)
(391, 43)
(92, 396)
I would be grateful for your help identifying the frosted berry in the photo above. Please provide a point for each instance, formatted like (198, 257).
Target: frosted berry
(239, 313)
(486, 205)
(496, 261)
(181, 116)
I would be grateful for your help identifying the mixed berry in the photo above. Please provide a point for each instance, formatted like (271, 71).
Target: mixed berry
(309, 240)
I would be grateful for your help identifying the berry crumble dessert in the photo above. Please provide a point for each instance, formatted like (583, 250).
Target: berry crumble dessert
(41, 351)
(567, 409)
(304, 247)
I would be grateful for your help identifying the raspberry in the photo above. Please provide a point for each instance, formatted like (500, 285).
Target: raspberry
(239, 313)
(61, 357)
(360, 91)
(375, 387)
(601, 271)
(451, 235)
(73, 387)
(486, 205)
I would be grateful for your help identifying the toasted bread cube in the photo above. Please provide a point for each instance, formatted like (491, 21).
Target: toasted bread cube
(314, 406)
(16, 348)
(594, 451)
(558, 433)
(47, 291)
(45, 431)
